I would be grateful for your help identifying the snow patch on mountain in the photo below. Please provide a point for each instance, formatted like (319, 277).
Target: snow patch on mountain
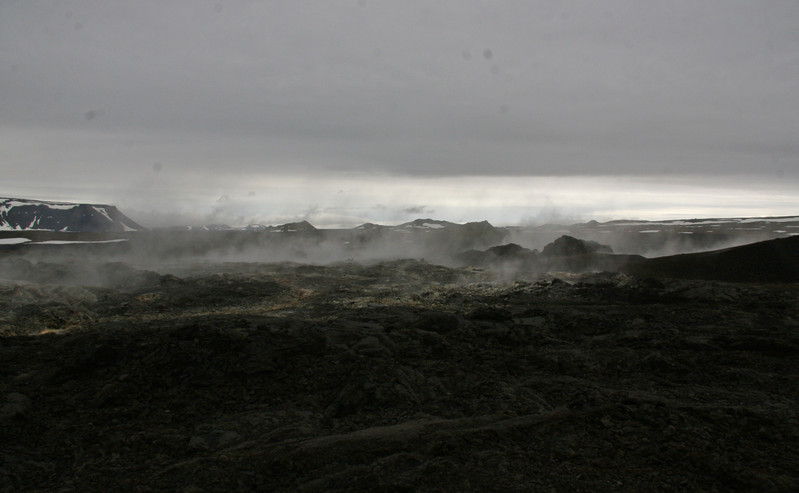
(102, 211)
(427, 224)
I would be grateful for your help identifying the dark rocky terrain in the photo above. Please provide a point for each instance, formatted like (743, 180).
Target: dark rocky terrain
(766, 261)
(392, 376)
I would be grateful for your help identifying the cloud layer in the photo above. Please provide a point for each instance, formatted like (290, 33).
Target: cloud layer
(174, 104)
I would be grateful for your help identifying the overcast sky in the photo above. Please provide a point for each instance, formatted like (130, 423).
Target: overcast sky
(346, 111)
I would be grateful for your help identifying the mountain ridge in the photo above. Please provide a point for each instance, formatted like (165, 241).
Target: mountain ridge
(41, 215)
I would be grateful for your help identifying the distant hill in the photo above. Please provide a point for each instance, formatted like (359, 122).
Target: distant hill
(565, 254)
(660, 238)
(298, 227)
(766, 261)
(569, 246)
(425, 224)
(40, 215)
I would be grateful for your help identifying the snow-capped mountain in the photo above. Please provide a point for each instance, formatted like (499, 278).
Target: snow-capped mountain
(40, 215)
(424, 224)
(704, 221)
(298, 227)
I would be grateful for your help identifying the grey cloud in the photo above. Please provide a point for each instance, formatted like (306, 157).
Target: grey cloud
(416, 88)
(418, 209)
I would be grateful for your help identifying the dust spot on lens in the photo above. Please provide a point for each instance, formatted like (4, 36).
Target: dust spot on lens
(92, 114)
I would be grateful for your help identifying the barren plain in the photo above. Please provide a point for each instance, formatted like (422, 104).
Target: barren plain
(392, 375)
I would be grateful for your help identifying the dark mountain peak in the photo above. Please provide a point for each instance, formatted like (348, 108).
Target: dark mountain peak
(479, 226)
(507, 250)
(301, 226)
(568, 246)
(510, 252)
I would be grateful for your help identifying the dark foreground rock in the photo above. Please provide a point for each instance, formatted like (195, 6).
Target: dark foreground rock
(568, 246)
(400, 376)
(766, 261)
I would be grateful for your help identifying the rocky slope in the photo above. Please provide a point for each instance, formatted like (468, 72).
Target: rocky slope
(766, 261)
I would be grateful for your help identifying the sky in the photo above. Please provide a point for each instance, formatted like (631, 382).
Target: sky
(343, 112)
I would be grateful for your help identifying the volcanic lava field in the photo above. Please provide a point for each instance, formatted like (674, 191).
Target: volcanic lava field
(399, 375)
